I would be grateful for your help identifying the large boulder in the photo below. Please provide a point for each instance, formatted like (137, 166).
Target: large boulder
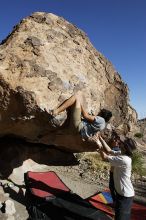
(44, 61)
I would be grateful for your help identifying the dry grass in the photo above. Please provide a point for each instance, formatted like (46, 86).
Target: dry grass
(96, 163)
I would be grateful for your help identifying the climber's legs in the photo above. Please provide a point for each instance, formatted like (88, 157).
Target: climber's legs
(75, 100)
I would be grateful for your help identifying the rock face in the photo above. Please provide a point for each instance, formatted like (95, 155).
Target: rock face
(132, 119)
(142, 128)
(44, 61)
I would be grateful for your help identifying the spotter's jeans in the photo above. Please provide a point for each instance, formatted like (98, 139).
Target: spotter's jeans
(123, 207)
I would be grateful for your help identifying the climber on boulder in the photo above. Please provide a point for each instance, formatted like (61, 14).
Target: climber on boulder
(81, 121)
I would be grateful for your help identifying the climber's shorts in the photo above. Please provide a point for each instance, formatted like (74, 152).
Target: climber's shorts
(75, 121)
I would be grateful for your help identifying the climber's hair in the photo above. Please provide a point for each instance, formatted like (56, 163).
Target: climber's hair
(106, 114)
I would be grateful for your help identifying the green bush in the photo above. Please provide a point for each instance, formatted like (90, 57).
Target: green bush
(138, 135)
(137, 164)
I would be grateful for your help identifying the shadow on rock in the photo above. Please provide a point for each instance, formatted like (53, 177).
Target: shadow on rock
(14, 152)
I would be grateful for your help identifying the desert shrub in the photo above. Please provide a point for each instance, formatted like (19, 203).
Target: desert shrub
(138, 135)
(138, 164)
(96, 164)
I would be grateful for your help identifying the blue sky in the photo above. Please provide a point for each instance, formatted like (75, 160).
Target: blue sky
(117, 28)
